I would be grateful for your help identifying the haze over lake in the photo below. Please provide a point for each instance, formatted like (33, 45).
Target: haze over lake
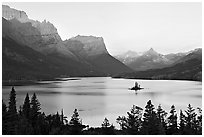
(100, 97)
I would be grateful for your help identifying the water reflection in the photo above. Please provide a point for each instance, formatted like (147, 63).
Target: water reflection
(96, 98)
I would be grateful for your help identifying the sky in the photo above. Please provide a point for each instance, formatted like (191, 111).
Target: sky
(168, 27)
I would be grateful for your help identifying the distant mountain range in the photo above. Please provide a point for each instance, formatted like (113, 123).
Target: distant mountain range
(141, 61)
(34, 50)
(181, 66)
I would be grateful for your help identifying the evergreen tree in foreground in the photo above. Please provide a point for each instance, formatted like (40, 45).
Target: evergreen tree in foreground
(172, 122)
(107, 128)
(199, 117)
(150, 124)
(12, 113)
(75, 124)
(26, 107)
(4, 119)
(154, 121)
(182, 123)
(191, 122)
(35, 113)
(105, 123)
(133, 122)
(161, 114)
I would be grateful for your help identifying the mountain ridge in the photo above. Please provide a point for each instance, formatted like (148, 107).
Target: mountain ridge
(150, 59)
(81, 55)
(188, 67)
(27, 33)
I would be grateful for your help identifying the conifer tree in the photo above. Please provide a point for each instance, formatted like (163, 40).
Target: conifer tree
(107, 128)
(150, 124)
(132, 124)
(12, 113)
(105, 123)
(12, 102)
(182, 123)
(172, 121)
(191, 122)
(122, 121)
(34, 113)
(57, 120)
(134, 120)
(161, 114)
(75, 124)
(26, 107)
(4, 118)
(75, 120)
(35, 106)
(199, 117)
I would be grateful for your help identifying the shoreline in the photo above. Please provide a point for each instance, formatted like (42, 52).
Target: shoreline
(32, 82)
(159, 79)
(37, 82)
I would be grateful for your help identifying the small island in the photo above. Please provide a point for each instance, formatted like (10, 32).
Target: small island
(136, 87)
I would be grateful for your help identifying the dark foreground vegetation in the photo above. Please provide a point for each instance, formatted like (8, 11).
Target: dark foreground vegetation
(30, 120)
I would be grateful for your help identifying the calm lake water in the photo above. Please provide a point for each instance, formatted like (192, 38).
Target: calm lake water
(100, 97)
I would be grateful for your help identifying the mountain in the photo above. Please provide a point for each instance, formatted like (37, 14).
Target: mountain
(40, 36)
(93, 51)
(128, 57)
(10, 13)
(46, 29)
(148, 60)
(34, 50)
(91, 45)
(20, 62)
(189, 67)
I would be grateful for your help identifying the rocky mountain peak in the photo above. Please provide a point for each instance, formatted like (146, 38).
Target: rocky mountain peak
(151, 52)
(47, 30)
(88, 39)
(10, 13)
(92, 45)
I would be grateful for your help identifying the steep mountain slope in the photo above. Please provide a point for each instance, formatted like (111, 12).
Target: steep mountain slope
(23, 60)
(23, 63)
(20, 62)
(41, 36)
(59, 57)
(148, 60)
(93, 51)
(188, 67)
(46, 29)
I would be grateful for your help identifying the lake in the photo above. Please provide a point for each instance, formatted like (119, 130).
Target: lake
(100, 97)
